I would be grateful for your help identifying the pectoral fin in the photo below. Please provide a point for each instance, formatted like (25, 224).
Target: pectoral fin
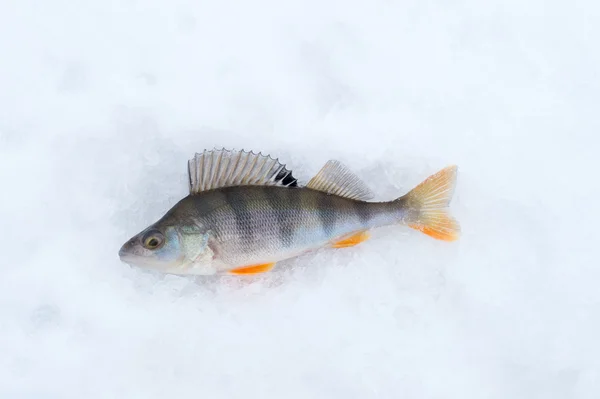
(254, 269)
(352, 240)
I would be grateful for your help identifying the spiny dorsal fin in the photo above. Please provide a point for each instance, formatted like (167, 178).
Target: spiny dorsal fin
(224, 168)
(335, 178)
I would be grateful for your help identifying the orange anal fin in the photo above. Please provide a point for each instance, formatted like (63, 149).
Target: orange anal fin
(350, 241)
(254, 269)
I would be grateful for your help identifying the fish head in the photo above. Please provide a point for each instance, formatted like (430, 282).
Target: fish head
(176, 249)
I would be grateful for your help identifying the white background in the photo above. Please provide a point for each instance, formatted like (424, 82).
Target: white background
(102, 103)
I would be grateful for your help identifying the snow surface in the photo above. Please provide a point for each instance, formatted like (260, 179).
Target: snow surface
(102, 103)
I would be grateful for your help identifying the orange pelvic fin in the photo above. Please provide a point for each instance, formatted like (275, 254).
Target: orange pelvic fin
(352, 240)
(254, 269)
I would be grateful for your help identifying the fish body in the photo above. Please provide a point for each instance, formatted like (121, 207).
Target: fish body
(245, 212)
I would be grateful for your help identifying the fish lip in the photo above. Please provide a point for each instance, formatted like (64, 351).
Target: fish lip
(135, 260)
(123, 251)
(125, 256)
(128, 249)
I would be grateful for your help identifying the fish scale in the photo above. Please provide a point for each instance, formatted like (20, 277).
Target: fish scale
(245, 212)
(258, 222)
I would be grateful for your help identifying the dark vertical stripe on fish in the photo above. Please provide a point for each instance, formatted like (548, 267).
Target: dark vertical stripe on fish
(326, 212)
(277, 199)
(238, 203)
(363, 211)
(293, 204)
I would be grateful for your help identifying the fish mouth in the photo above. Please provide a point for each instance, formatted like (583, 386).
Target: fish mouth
(139, 261)
(126, 256)
(123, 252)
(129, 253)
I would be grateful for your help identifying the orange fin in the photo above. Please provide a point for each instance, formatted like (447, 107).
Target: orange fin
(437, 224)
(254, 269)
(430, 200)
(354, 239)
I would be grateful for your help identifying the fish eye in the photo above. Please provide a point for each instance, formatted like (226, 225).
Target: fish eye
(153, 240)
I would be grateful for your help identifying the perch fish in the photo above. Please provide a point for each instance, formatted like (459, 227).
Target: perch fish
(245, 212)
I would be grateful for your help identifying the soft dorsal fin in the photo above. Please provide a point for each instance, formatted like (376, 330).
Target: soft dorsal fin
(335, 178)
(224, 168)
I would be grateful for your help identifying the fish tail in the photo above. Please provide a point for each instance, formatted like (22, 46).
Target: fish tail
(425, 206)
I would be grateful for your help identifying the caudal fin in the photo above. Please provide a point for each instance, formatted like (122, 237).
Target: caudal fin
(427, 206)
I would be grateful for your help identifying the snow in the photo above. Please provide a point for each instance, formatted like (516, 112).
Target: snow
(102, 103)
